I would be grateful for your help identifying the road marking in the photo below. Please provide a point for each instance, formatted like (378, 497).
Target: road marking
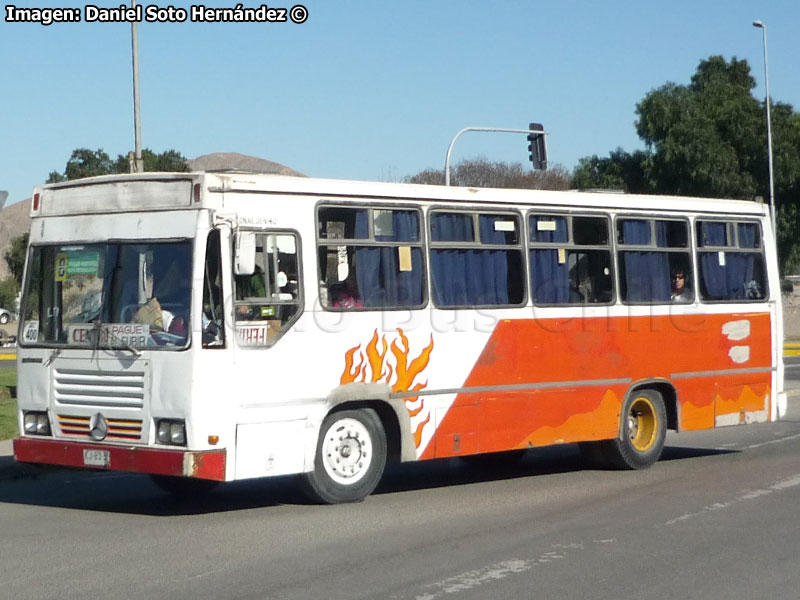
(778, 441)
(778, 486)
(470, 580)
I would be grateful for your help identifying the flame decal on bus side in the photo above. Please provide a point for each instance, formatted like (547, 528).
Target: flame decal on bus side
(377, 366)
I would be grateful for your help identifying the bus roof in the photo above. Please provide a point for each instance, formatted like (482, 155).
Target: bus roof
(164, 191)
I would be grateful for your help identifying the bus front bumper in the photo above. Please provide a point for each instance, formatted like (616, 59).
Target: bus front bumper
(206, 464)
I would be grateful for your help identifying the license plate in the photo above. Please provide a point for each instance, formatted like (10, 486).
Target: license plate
(97, 458)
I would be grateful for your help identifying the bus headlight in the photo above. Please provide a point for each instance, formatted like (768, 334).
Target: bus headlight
(36, 423)
(171, 432)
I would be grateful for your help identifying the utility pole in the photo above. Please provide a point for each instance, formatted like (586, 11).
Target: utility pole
(763, 28)
(137, 121)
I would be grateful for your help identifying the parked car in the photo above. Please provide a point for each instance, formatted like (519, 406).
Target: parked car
(5, 316)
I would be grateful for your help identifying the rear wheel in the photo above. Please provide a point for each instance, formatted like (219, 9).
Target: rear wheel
(644, 430)
(350, 457)
(4, 318)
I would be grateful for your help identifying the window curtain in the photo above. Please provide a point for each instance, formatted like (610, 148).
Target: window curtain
(730, 280)
(549, 278)
(378, 277)
(464, 277)
(647, 276)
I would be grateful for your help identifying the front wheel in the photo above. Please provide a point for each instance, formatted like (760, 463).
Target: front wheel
(644, 430)
(350, 457)
(4, 318)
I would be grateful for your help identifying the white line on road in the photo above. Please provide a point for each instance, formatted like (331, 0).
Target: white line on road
(778, 441)
(778, 486)
(473, 579)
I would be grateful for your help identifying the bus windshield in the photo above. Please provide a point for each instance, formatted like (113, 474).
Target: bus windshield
(119, 295)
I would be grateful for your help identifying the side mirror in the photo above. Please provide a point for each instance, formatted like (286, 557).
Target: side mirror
(244, 260)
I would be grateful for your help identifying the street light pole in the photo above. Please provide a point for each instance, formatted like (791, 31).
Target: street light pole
(137, 123)
(541, 132)
(763, 29)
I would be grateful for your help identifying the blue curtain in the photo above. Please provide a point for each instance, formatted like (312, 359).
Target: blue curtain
(647, 276)
(731, 280)
(549, 278)
(464, 277)
(747, 235)
(378, 277)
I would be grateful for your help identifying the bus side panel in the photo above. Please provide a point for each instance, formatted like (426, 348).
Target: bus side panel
(569, 377)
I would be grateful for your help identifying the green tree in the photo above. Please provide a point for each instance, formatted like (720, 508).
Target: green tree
(169, 161)
(9, 289)
(620, 171)
(15, 256)
(708, 138)
(88, 163)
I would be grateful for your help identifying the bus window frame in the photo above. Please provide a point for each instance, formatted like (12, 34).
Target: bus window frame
(370, 241)
(476, 244)
(569, 214)
(65, 346)
(689, 249)
(761, 251)
(299, 302)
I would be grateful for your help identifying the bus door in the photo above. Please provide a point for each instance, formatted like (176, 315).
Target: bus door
(266, 286)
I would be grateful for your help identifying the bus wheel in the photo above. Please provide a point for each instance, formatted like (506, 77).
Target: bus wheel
(351, 455)
(644, 430)
(184, 488)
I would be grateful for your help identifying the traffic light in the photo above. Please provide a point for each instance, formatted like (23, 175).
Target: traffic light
(536, 147)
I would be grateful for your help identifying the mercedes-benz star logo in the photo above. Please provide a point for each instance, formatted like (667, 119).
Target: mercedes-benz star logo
(98, 428)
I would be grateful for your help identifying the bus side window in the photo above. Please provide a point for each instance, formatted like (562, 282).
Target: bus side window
(654, 261)
(731, 261)
(570, 259)
(370, 258)
(476, 259)
(268, 300)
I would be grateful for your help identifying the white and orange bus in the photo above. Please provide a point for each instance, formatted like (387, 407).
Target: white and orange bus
(216, 327)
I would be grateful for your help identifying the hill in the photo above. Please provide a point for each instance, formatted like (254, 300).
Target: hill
(233, 161)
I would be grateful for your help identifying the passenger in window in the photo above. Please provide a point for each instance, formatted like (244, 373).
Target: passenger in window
(251, 286)
(681, 293)
(344, 297)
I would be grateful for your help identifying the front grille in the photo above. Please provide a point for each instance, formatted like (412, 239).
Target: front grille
(118, 429)
(99, 388)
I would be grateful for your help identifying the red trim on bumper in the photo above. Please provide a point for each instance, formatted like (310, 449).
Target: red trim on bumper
(207, 464)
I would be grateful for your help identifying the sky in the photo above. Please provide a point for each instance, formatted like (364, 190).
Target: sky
(369, 90)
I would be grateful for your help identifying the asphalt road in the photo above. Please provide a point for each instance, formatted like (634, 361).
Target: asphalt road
(791, 366)
(716, 518)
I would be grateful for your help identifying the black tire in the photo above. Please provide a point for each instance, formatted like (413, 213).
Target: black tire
(643, 432)
(350, 458)
(4, 319)
(184, 488)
